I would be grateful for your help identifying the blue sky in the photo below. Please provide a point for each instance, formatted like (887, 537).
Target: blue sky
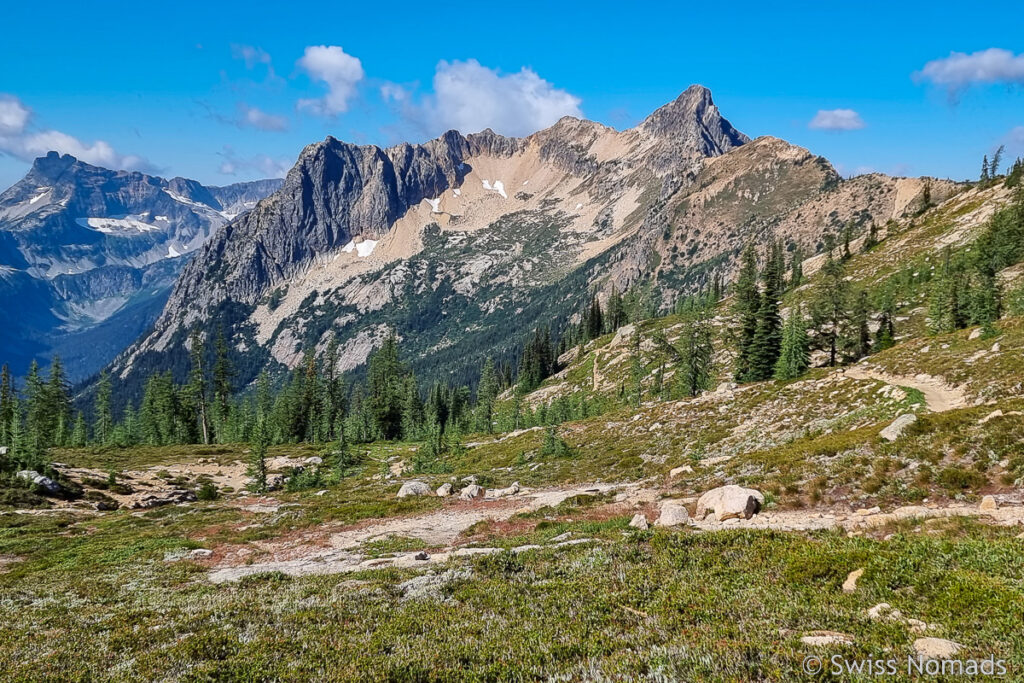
(222, 92)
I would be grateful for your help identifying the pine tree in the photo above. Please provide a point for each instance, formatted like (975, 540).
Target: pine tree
(595, 320)
(7, 398)
(997, 159)
(223, 375)
(694, 372)
(796, 267)
(768, 334)
(871, 241)
(258, 444)
(984, 171)
(197, 384)
(486, 396)
(80, 434)
(795, 354)
(828, 310)
(943, 299)
(746, 307)
(885, 337)
(36, 428)
(616, 311)
(847, 238)
(58, 405)
(636, 369)
(856, 340)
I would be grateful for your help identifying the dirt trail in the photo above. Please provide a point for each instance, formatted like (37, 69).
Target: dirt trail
(938, 395)
(439, 528)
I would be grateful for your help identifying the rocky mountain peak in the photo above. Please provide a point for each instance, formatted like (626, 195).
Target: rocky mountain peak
(693, 126)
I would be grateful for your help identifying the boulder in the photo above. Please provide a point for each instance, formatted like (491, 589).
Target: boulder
(988, 504)
(898, 426)
(730, 502)
(850, 585)
(4, 450)
(883, 611)
(673, 513)
(936, 648)
(45, 483)
(414, 488)
(505, 492)
(421, 556)
(639, 521)
(472, 492)
(445, 490)
(975, 333)
(200, 553)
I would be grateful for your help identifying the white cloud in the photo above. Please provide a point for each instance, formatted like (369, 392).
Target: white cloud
(258, 165)
(340, 71)
(17, 140)
(14, 115)
(836, 119)
(960, 70)
(470, 97)
(254, 117)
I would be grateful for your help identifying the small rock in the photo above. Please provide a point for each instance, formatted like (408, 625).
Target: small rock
(918, 626)
(975, 333)
(685, 469)
(883, 611)
(421, 556)
(898, 426)
(672, 514)
(314, 460)
(864, 512)
(988, 504)
(445, 489)
(321, 493)
(152, 500)
(562, 537)
(823, 638)
(414, 488)
(639, 521)
(728, 502)
(505, 492)
(936, 648)
(850, 585)
(472, 492)
(200, 553)
(996, 347)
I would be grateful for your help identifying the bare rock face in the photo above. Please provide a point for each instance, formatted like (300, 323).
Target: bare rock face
(414, 488)
(730, 502)
(898, 426)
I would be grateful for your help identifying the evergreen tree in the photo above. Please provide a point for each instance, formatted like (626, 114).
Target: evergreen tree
(595, 319)
(486, 396)
(58, 405)
(7, 399)
(36, 427)
(746, 307)
(696, 350)
(943, 299)
(984, 171)
(796, 268)
(856, 340)
(828, 310)
(384, 385)
(616, 317)
(102, 426)
(795, 354)
(997, 159)
(223, 376)
(258, 444)
(871, 241)
(636, 368)
(768, 333)
(847, 238)
(885, 337)
(197, 384)
(80, 433)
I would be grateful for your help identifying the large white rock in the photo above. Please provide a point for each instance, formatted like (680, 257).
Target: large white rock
(936, 648)
(673, 513)
(414, 488)
(730, 502)
(898, 426)
(471, 492)
(850, 585)
(445, 489)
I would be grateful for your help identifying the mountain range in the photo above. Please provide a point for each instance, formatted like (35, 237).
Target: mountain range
(88, 255)
(461, 245)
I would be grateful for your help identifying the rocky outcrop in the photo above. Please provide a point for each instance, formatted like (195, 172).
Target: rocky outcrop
(730, 502)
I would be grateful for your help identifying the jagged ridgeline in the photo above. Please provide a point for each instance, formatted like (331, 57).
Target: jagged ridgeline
(464, 244)
(88, 256)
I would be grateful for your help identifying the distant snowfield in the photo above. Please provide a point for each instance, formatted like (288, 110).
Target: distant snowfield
(434, 205)
(172, 252)
(364, 248)
(126, 224)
